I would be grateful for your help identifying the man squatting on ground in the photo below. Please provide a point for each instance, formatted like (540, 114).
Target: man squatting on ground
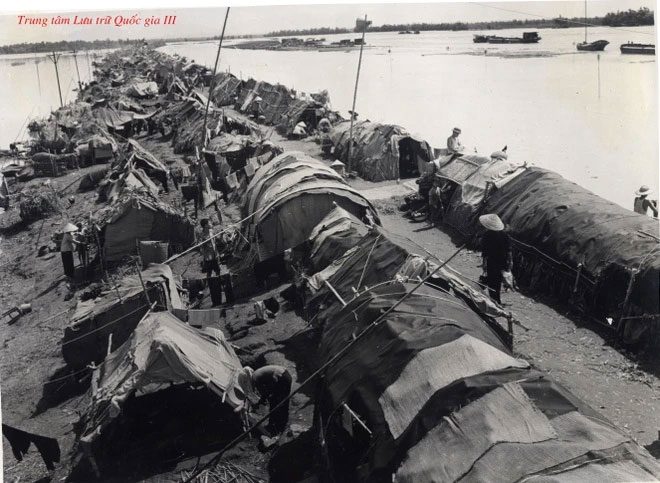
(273, 384)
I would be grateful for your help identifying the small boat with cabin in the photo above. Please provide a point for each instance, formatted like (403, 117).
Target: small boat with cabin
(480, 39)
(527, 38)
(633, 48)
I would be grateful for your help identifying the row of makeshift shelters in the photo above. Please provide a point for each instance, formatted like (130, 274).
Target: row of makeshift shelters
(427, 387)
(566, 240)
(275, 104)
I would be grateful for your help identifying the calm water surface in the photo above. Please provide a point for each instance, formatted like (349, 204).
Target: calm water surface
(541, 100)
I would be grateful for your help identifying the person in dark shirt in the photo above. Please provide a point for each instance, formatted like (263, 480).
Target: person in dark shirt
(273, 383)
(496, 253)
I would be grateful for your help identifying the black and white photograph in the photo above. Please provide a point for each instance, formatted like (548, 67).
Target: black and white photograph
(328, 243)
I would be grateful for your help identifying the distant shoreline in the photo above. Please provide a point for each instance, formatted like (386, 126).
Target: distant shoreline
(640, 18)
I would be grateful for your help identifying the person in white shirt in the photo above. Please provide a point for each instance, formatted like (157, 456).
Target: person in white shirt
(454, 146)
(66, 249)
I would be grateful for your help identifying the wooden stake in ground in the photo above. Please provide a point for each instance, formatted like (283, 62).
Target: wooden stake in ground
(357, 80)
(55, 58)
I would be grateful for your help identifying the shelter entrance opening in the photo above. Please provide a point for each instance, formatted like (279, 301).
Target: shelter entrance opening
(411, 154)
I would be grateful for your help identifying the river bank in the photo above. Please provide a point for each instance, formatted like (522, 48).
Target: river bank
(40, 394)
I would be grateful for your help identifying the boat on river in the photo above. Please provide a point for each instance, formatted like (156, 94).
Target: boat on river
(480, 39)
(633, 48)
(595, 46)
(527, 38)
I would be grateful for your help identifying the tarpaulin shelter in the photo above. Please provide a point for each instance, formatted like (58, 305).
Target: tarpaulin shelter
(289, 196)
(475, 178)
(279, 105)
(113, 118)
(227, 89)
(381, 257)
(104, 149)
(141, 90)
(135, 216)
(459, 169)
(135, 157)
(116, 312)
(333, 236)
(567, 239)
(431, 393)
(275, 99)
(162, 350)
(132, 179)
(381, 151)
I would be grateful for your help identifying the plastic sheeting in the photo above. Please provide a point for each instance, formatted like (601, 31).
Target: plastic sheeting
(163, 350)
(333, 236)
(549, 214)
(142, 89)
(461, 168)
(112, 118)
(444, 399)
(497, 172)
(376, 153)
(116, 312)
(290, 195)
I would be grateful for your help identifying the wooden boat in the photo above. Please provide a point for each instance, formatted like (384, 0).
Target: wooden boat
(633, 48)
(527, 38)
(596, 46)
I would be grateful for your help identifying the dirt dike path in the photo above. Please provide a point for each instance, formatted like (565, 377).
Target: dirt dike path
(38, 395)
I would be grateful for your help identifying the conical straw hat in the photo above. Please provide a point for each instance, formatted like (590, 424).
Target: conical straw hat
(69, 227)
(492, 222)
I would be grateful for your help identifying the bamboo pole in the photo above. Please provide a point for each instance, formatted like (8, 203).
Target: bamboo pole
(357, 80)
(55, 58)
(215, 70)
(332, 360)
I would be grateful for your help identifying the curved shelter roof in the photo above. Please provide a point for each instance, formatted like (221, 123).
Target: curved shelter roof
(432, 393)
(290, 195)
(574, 227)
(376, 151)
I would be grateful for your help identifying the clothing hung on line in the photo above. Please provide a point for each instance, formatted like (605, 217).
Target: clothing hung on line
(20, 442)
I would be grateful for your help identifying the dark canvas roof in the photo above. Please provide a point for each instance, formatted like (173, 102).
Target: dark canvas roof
(375, 150)
(573, 226)
(438, 389)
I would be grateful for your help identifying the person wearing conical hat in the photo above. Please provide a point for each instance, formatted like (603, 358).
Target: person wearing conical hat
(496, 253)
(66, 248)
(642, 203)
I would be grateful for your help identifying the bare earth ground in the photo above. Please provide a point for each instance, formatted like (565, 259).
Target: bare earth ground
(37, 398)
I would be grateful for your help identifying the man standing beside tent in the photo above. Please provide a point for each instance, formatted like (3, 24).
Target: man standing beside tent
(210, 258)
(66, 248)
(496, 253)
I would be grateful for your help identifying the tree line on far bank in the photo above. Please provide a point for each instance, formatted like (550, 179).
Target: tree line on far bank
(71, 45)
(630, 18)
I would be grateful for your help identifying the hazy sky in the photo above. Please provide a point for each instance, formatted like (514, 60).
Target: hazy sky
(197, 22)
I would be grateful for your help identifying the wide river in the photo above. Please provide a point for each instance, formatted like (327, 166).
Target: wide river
(594, 120)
